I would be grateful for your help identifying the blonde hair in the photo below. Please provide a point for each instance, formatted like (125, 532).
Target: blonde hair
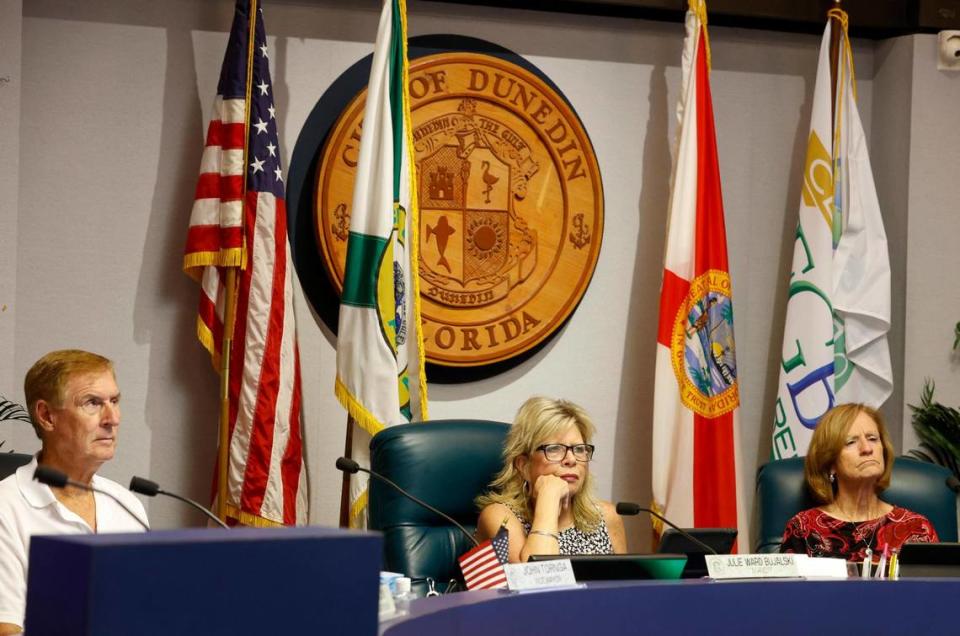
(827, 443)
(48, 376)
(538, 420)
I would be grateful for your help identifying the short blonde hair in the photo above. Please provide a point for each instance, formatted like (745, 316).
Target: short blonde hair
(827, 443)
(49, 375)
(538, 420)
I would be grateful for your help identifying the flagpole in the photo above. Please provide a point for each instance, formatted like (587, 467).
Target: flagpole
(224, 433)
(836, 35)
(345, 484)
(230, 301)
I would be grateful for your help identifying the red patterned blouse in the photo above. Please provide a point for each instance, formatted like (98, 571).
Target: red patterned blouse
(817, 534)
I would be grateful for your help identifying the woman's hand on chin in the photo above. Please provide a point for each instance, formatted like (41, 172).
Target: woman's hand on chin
(552, 488)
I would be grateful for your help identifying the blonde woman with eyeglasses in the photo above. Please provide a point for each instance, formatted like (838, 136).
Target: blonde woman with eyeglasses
(544, 492)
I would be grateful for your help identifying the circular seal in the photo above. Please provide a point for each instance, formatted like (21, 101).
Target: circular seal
(701, 347)
(510, 198)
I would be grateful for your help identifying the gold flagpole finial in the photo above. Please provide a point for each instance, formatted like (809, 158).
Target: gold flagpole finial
(699, 9)
(838, 14)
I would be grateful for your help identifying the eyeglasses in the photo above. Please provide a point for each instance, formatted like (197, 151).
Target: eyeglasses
(556, 452)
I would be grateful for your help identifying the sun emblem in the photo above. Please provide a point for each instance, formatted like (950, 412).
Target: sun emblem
(485, 237)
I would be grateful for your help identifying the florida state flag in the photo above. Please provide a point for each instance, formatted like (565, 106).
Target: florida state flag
(696, 393)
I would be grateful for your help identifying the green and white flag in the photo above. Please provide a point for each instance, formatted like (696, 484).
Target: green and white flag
(838, 313)
(380, 379)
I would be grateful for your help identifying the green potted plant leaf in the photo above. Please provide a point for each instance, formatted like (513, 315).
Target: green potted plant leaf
(938, 428)
(10, 411)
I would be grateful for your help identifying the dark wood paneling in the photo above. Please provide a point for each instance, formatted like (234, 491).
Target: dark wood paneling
(868, 18)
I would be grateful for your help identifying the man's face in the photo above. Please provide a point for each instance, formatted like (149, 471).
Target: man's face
(85, 425)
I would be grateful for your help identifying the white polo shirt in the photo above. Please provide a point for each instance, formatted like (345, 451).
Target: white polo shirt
(28, 507)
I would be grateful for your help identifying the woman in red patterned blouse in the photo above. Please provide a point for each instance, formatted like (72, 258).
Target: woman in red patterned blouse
(847, 466)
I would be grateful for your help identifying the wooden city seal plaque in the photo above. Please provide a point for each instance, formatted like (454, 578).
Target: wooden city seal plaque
(511, 205)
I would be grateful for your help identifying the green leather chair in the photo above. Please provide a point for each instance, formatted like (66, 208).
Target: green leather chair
(446, 463)
(915, 485)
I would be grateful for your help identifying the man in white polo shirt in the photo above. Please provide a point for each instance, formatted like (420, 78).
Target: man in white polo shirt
(74, 404)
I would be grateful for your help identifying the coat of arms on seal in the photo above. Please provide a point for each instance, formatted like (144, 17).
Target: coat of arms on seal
(702, 347)
(510, 199)
(475, 245)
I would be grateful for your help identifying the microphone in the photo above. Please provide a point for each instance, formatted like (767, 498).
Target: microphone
(152, 489)
(52, 477)
(56, 479)
(953, 483)
(347, 465)
(626, 508)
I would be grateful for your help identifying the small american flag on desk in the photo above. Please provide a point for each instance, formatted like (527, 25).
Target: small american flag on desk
(482, 566)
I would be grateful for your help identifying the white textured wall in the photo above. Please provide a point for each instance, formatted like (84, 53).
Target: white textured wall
(891, 131)
(933, 257)
(115, 99)
(11, 17)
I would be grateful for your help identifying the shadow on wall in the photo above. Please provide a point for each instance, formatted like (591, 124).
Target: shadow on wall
(181, 404)
(787, 240)
(633, 442)
(775, 345)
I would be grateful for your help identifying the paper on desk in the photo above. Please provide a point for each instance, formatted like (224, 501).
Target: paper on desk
(821, 567)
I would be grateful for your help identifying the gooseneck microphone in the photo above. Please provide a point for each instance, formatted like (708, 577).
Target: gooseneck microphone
(152, 489)
(953, 484)
(57, 479)
(626, 508)
(349, 466)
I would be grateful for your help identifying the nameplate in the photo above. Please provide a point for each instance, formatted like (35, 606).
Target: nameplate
(752, 566)
(821, 567)
(540, 575)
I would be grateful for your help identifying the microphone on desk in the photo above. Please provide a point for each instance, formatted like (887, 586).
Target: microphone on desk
(152, 489)
(347, 465)
(626, 508)
(56, 479)
(953, 483)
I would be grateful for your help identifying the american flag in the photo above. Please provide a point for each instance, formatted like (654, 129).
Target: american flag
(482, 566)
(239, 221)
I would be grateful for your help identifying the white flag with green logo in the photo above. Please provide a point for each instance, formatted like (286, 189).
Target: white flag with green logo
(838, 310)
(380, 378)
